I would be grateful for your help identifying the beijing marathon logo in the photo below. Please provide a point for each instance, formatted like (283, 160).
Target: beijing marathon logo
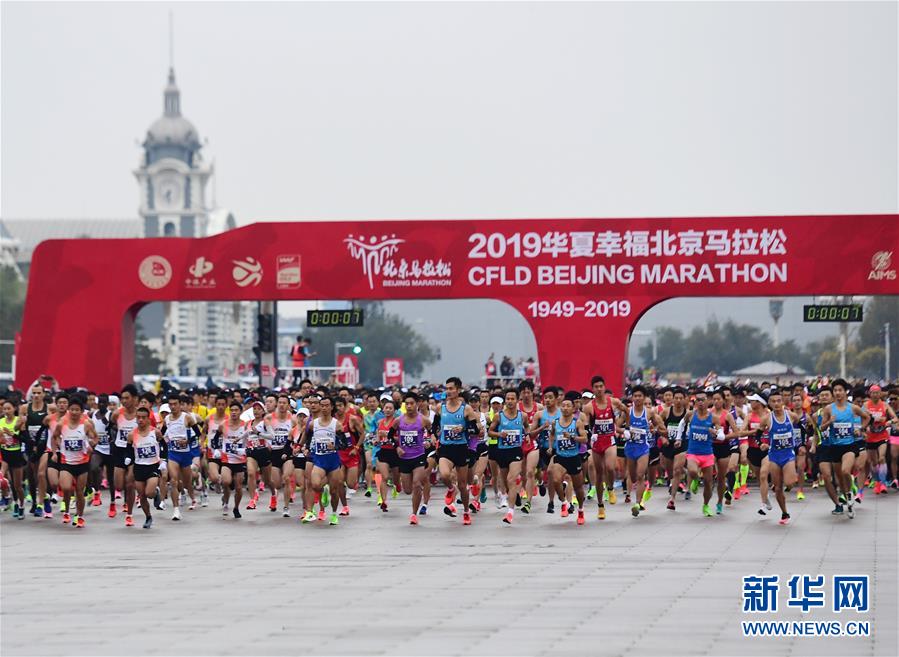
(880, 267)
(377, 260)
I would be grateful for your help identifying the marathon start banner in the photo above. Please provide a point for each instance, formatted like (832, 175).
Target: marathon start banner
(582, 284)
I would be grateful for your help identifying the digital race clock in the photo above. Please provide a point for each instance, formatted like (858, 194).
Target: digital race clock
(836, 313)
(317, 318)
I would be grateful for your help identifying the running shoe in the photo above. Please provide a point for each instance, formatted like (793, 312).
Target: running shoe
(334, 520)
(345, 511)
(483, 496)
(837, 510)
(574, 502)
(38, 512)
(80, 522)
(176, 514)
(66, 518)
(380, 499)
(273, 504)
(321, 515)
(762, 510)
(448, 510)
(670, 506)
(508, 518)
(706, 511)
(850, 511)
(517, 500)
(224, 509)
(894, 484)
(326, 495)
(580, 517)
(768, 505)
(860, 496)
(148, 522)
(719, 509)
(504, 502)
(193, 505)
(96, 501)
(396, 492)
(63, 506)
(285, 512)
(413, 519)
(236, 512)
(368, 492)
(526, 507)
(550, 507)
(647, 495)
(784, 519)
(688, 496)
(591, 493)
(627, 498)
(423, 511)
(635, 510)
(842, 499)
(307, 517)
(251, 505)
(466, 518)
(800, 495)
(204, 499)
(737, 493)
(694, 486)
(542, 490)
(564, 512)
(612, 498)
(601, 512)
(728, 496)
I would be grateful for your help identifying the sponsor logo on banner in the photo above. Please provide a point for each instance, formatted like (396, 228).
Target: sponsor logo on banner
(247, 272)
(199, 278)
(155, 272)
(379, 263)
(288, 272)
(880, 267)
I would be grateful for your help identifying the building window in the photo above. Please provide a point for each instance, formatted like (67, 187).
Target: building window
(169, 229)
(151, 201)
(187, 192)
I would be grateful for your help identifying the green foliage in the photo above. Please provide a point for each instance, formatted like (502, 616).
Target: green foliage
(12, 303)
(145, 359)
(384, 335)
(878, 311)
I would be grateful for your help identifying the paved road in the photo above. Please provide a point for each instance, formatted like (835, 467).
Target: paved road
(663, 584)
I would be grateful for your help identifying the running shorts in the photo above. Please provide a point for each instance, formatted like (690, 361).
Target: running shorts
(145, 472)
(506, 457)
(458, 454)
(408, 465)
(572, 464)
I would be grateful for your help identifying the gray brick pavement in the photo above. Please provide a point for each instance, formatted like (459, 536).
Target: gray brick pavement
(663, 584)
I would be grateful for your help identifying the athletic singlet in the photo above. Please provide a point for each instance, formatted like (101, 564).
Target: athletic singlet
(146, 448)
(280, 431)
(452, 426)
(11, 443)
(176, 430)
(234, 443)
(324, 438)
(370, 425)
(543, 438)
(411, 436)
(698, 437)
(841, 431)
(510, 430)
(799, 431)
(639, 428)
(213, 424)
(877, 429)
(34, 423)
(102, 429)
(384, 439)
(347, 429)
(603, 421)
(753, 424)
(725, 427)
(565, 438)
(123, 427)
(73, 445)
(781, 434)
(672, 422)
(527, 442)
(259, 434)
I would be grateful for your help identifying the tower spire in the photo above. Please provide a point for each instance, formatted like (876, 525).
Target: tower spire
(172, 95)
(171, 40)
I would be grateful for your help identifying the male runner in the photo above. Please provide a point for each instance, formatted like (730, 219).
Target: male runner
(638, 440)
(838, 417)
(567, 433)
(509, 428)
(454, 422)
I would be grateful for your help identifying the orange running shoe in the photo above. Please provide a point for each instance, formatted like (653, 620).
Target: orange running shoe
(564, 513)
(96, 501)
(66, 518)
(466, 518)
(112, 510)
(129, 521)
(580, 517)
(450, 497)
(508, 518)
(80, 523)
(413, 519)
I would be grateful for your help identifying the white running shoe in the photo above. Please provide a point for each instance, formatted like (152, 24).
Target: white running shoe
(224, 509)
(204, 499)
(176, 514)
(285, 513)
(768, 505)
(504, 502)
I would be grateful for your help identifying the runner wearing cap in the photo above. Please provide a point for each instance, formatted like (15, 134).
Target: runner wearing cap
(259, 451)
(757, 450)
(499, 486)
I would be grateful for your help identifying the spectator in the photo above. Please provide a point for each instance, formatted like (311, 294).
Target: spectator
(490, 371)
(506, 368)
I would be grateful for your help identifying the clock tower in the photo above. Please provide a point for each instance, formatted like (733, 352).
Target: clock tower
(172, 175)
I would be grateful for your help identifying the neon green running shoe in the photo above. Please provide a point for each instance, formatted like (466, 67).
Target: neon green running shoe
(308, 517)
(334, 519)
(647, 495)
(694, 486)
(326, 495)
(396, 493)
(706, 511)
(591, 493)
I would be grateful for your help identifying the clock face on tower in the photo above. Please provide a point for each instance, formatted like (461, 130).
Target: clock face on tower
(168, 193)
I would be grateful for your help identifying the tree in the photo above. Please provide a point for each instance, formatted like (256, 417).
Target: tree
(145, 359)
(12, 304)
(878, 311)
(868, 362)
(384, 335)
(670, 349)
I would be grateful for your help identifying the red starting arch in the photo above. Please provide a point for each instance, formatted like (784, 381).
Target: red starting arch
(582, 284)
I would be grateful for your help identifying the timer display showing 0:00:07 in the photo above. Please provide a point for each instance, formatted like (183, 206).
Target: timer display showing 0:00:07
(591, 309)
(835, 313)
(352, 317)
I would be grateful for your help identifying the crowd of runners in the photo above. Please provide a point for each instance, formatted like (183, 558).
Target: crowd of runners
(305, 451)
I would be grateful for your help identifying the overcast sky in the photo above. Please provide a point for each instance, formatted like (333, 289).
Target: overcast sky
(462, 110)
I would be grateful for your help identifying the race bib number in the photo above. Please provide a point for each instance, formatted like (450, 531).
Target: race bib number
(566, 443)
(34, 430)
(180, 444)
(603, 426)
(842, 429)
(452, 431)
(639, 435)
(408, 438)
(699, 436)
(511, 438)
(323, 446)
(146, 452)
(782, 440)
(103, 439)
(232, 448)
(122, 437)
(73, 444)
(280, 438)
